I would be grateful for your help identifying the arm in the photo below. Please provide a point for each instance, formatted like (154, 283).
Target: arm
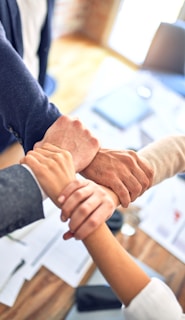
(166, 156)
(62, 174)
(157, 161)
(119, 269)
(124, 276)
(156, 154)
(24, 108)
(27, 113)
(20, 198)
(140, 294)
(124, 172)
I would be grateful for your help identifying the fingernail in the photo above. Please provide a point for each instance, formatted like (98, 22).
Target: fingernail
(63, 218)
(68, 235)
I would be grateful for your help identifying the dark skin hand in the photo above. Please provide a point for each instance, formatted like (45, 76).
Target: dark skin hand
(122, 171)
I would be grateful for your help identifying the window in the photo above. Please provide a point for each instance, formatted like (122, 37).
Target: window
(136, 23)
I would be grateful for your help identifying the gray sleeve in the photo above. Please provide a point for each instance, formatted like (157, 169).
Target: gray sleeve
(20, 199)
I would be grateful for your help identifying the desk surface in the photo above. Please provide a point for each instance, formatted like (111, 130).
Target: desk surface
(46, 296)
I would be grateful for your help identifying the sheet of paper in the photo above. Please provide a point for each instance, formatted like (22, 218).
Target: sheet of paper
(41, 239)
(12, 269)
(69, 260)
(164, 217)
(10, 292)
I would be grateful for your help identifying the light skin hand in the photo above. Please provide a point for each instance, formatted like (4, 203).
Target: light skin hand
(53, 168)
(87, 205)
(122, 171)
(70, 134)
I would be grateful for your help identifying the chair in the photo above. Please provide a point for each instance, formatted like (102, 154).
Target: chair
(166, 56)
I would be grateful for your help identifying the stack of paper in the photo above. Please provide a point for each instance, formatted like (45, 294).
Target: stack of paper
(40, 244)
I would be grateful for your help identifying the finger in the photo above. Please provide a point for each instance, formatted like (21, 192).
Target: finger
(31, 158)
(53, 160)
(83, 212)
(74, 202)
(72, 187)
(34, 163)
(51, 147)
(97, 217)
(45, 152)
(142, 171)
(148, 171)
(118, 187)
(68, 235)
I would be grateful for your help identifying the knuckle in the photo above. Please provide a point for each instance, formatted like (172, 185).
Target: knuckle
(83, 210)
(124, 198)
(93, 222)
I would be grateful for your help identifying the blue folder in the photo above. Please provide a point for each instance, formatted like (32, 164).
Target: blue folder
(122, 107)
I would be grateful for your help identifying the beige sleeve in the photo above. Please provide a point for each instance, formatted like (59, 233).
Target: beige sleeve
(166, 156)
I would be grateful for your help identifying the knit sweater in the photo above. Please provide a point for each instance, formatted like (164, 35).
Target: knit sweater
(166, 157)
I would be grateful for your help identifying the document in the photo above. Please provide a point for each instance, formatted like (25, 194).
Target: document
(164, 216)
(41, 244)
(12, 268)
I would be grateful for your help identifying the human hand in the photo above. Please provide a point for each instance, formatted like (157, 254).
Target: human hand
(71, 135)
(122, 171)
(87, 205)
(53, 168)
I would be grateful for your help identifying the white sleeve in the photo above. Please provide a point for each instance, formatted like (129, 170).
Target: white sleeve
(156, 301)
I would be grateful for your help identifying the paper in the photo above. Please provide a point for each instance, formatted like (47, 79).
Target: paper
(11, 271)
(164, 217)
(39, 245)
(69, 260)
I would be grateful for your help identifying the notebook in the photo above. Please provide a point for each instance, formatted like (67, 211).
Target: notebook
(122, 107)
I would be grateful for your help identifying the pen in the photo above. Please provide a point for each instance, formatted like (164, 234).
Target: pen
(17, 267)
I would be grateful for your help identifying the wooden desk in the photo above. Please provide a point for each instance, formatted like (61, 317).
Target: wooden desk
(74, 62)
(46, 297)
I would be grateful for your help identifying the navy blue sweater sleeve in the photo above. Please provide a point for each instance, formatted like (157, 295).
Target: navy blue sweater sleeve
(24, 107)
(20, 198)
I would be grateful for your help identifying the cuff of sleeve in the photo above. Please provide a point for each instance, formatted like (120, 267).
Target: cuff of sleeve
(44, 196)
(155, 301)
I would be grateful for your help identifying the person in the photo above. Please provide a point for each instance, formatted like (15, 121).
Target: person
(27, 114)
(140, 295)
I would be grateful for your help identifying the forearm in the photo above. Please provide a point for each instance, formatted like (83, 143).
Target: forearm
(24, 107)
(119, 269)
(166, 157)
(20, 197)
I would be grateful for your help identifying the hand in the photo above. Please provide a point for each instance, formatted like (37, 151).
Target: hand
(70, 134)
(122, 171)
(53, 168)
(87, 205)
